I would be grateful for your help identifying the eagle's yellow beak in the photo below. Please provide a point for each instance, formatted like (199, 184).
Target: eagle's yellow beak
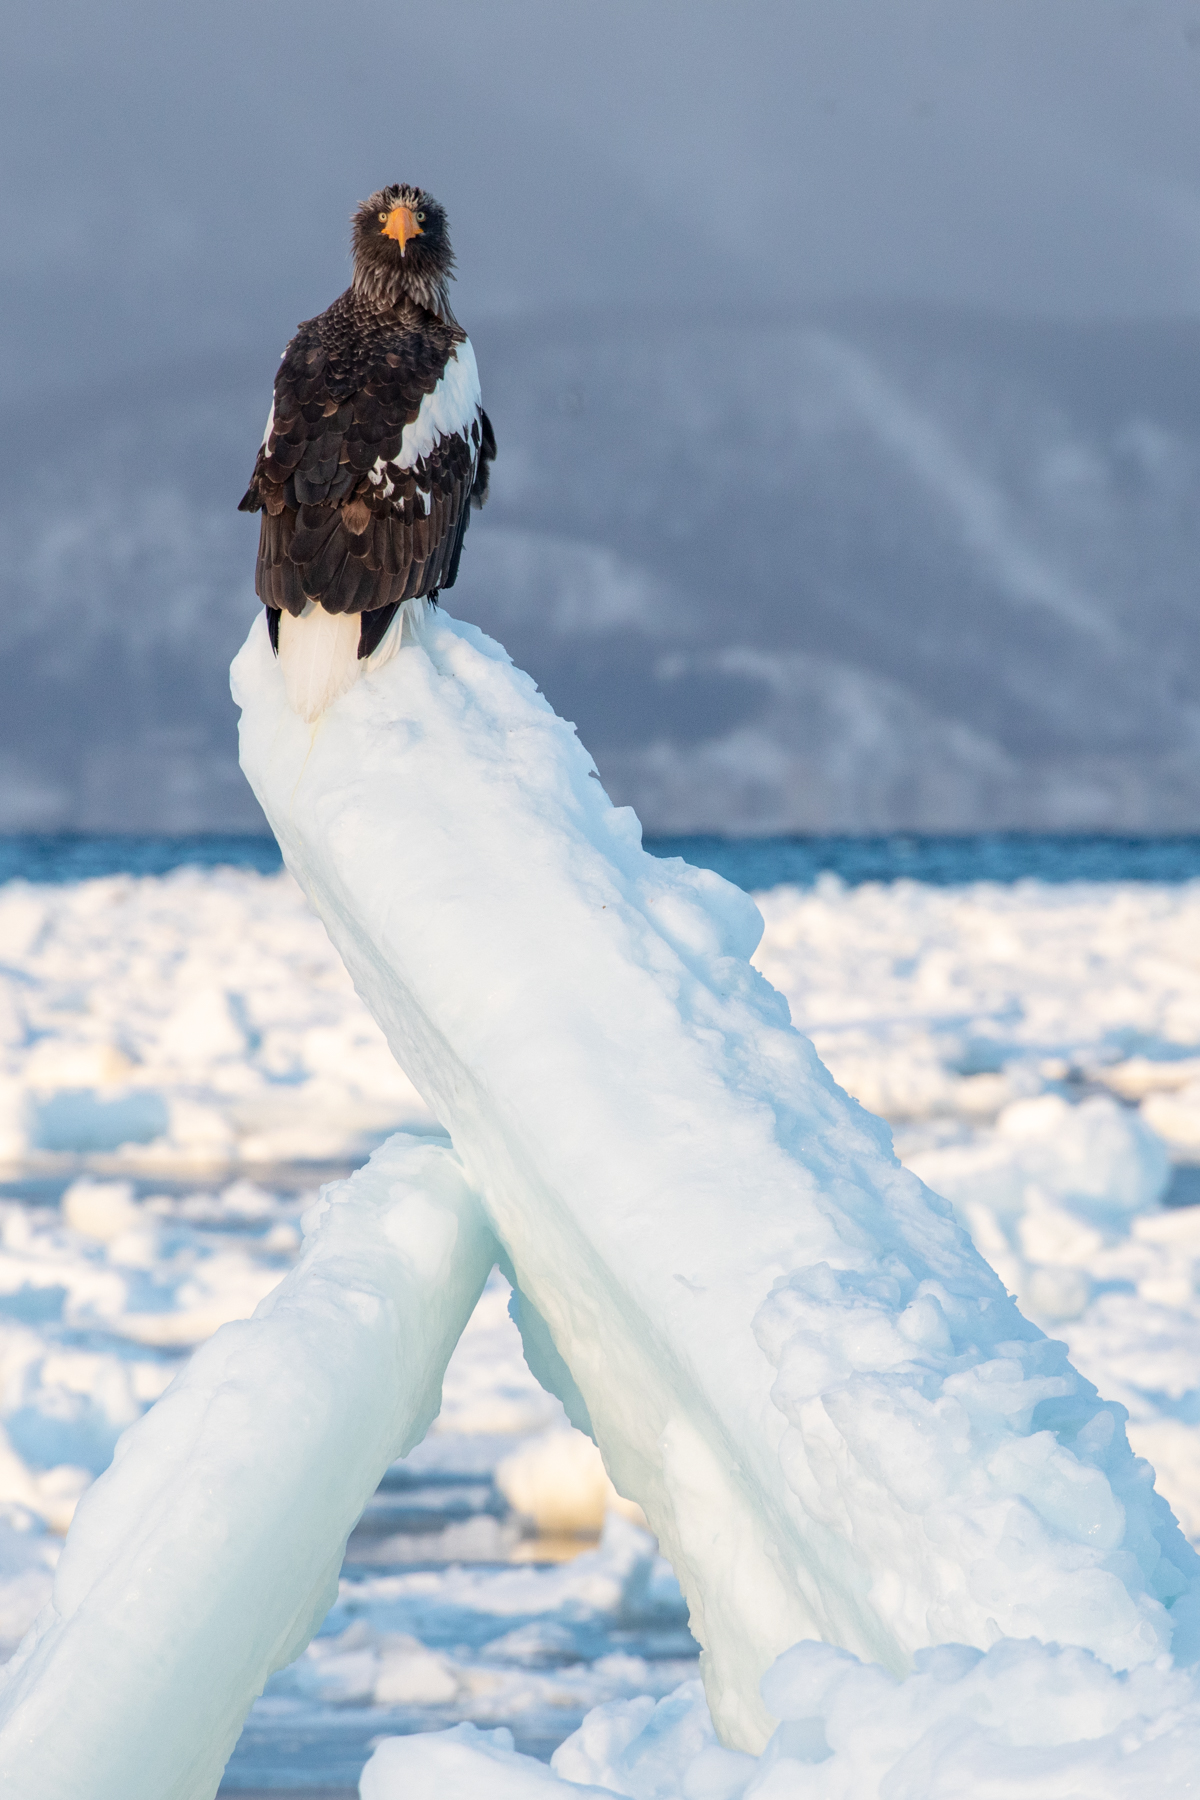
(401, 225)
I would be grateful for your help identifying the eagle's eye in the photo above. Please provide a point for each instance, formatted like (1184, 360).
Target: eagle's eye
(383, 218)
(420, 218)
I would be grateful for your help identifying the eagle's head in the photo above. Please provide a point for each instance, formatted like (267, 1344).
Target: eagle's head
(402, 249)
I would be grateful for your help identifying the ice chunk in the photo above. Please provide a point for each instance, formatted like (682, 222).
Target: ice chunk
(1176, 1117)
(1026, 1718)
(836, 1420)
(559, 1482)
(636, 1747)
(1047, 1190)
(462, 1764)
(192, 1020)
(100, 1209)
(1097, 1159)
(209, 1552)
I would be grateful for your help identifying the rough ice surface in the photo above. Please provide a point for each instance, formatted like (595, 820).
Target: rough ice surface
(1027, 1718)
(197, 1020)
(1036, 1048)
(942, 1007)
(844, 1428)
(404, 1646)
(208, 1553)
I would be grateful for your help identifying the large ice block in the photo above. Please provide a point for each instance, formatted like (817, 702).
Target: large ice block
(836, 1419)
(208, 1553)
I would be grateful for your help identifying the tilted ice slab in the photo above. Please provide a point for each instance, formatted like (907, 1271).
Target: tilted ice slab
(835, 1418)
(208, 1553)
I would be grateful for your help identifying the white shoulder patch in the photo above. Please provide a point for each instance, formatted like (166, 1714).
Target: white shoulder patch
(451, 409)
(270, 422)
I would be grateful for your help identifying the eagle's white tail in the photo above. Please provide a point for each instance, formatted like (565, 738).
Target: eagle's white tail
(318, 653)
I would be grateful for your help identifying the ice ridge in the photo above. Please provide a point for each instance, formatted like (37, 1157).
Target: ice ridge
(833, 1414)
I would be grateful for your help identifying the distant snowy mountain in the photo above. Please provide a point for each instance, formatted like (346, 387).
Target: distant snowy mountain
(853, 569)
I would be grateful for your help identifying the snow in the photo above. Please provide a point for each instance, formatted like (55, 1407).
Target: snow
(1009, 1032)
(1024, 1718)
(217, 996)
(337, 1374)
(195, 1022)
(843, 1426)
(530, 1647)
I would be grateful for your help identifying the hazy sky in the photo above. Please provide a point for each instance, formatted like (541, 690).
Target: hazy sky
(961, 546)
(179, 178)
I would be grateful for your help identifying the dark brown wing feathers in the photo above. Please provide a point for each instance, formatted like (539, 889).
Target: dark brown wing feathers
(487, 456)
(348, 384)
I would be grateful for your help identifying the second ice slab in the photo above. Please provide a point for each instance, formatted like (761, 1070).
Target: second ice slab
(836, 1419)
(207, 1554)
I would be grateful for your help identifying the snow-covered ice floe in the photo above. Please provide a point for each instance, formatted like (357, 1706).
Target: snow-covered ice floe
(834, 1417)
(191, 1573)
(1037, 1050)
(405, 1644)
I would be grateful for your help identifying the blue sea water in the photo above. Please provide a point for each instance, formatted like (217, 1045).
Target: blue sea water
(750, 862)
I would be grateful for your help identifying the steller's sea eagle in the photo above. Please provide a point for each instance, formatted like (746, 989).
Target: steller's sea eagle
(376, 449)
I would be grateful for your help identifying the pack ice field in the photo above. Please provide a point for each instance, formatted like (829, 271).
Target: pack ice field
(183, 1055)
